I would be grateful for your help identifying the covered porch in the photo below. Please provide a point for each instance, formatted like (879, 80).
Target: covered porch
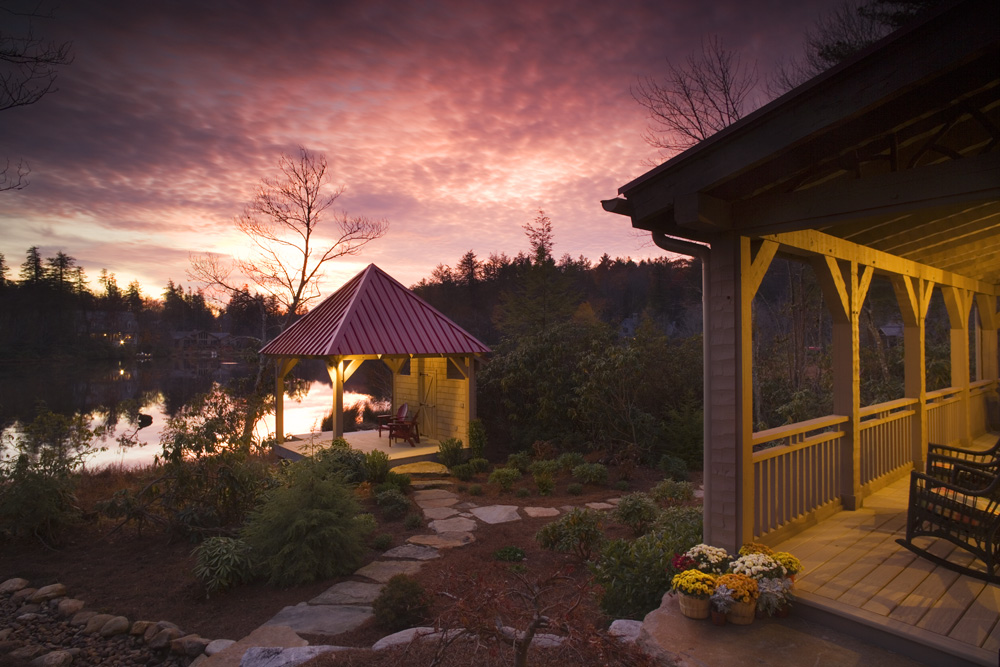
(300, 445)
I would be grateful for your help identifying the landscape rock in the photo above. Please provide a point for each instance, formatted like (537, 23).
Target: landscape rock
(266, 635)
(155, 628)
(625, 630)
(600, 506)
(432, 503)
(439, 512)
(13, 585)
(433, 494)
(190, 645)
(540, 640)
(412, 552)
(456, 525)
(96, 622)
(382, 571)
(321, 619)
(118, 625)
(496, 513)
(140, 627)
(83, 617)
(422, 469)
(26, 653)
(349, 592)
(404, 637)
(23, 594)
(218, 646)
(443, 540)
(69, 606)
(163, 638)
(273, 656)
(535, 512)
(53, 659)
(50, 592)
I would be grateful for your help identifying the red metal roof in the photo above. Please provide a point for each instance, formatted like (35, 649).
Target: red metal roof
(373, 314)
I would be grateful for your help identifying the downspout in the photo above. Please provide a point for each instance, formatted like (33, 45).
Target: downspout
(701, 252)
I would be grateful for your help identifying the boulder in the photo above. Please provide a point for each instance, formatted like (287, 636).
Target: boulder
(82, 617)
(69, 607)
(155, 628)
(217, 646)
(23, 594)
(625, 630)
(95, 623)
(140, 627)
(190, 645)
(404, 637)
(276, 656)
(46, 593)
(53, 659)
(163, 638)
(118, 625)
(13, 585)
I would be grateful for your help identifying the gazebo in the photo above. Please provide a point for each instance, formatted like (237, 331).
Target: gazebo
(373, 317)
(886, 165)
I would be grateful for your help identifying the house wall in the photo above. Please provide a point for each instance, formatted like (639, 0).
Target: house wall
(445, 404)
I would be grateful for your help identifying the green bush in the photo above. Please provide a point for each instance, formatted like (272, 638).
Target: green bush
(306, 529)
(547, 467)
(402, 604)
(622, 485)
(505, 478)
(633, 576)
(397, 479)
(392, 503)
(477, 440)
(382, 542)
(637, 511)
(343, 461)
(570, 460)
(522, 492)
(376, 466)
(222, 563)
(574, 488)
(475, 489)
(509, 554)
(340, 443)
(367, 522)
(673, 467)
(413, 521)
(451, 453)
(544, 483)
(479, 464)
(591, 473)
(519, 461)
(671, 491)
(579, 532)
(463, 472)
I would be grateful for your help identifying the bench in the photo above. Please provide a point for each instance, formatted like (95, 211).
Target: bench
(963, 509)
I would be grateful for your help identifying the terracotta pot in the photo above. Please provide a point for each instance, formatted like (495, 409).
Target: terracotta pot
(718, 617)
(783, 611)
(693, 607)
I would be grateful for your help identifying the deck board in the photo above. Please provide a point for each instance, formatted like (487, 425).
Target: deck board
(852, 561)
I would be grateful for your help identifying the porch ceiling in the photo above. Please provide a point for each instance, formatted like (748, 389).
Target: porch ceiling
(896, 150)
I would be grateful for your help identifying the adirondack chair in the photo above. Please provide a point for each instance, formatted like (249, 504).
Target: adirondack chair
(406, 429)
(384, 421)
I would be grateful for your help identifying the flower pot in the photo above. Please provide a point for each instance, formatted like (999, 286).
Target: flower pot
(783, 610)
(741, 613)
(693, 607)
(718, 617)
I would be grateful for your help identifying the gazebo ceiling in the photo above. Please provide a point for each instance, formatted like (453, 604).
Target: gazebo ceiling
(896, 150)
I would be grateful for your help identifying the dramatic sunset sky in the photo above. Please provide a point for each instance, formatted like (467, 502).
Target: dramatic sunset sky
(456, 121)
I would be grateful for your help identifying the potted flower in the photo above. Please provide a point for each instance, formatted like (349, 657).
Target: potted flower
(744, 591)
(720, 603)
(714, 560)
(791, 564)
(755, 548)
(757, 565)
(693, 589)
(774, 596)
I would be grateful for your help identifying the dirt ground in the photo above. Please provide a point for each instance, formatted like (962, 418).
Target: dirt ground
(151, 578)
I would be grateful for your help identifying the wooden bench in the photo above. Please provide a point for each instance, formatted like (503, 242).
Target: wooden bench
(963, 509)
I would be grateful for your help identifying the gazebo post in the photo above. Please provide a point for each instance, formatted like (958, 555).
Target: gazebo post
(283, 367)
(335, 368)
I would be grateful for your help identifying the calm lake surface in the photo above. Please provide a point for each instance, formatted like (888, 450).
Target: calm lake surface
(116, 394)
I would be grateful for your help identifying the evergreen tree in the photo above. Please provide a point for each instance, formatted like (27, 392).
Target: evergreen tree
(32, 271)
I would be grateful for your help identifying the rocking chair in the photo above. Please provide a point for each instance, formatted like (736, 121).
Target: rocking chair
(406, 429)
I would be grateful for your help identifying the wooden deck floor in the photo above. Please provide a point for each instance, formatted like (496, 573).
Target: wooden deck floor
(855, 570)
(399, 452)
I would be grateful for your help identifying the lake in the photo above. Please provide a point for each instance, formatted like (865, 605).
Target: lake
(116, 394)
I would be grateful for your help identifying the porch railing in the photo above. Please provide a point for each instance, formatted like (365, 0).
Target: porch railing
(945, 412)
(885, 439)
(796, 471)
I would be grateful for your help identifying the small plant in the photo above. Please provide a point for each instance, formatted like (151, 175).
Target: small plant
(340, 443)
(399, 480)
(722, 598)
(505, 478)
(520, 461)
(672, 491)
(707, 558)
(522, 492)
(544, 483)
(622, 485)
(758, 566)
(546, 467)
(367, 522)
(741, 587)
(695, 583)
(509, 554)
(382, 542)
(755, 548)
(574, 488)
(222, 562)
(413, 521)
(451, 453)
(591, 473)
(463, 471)
(392, 503)
(570, 460)
(579, 532)
(475, 489)
(376, 466)
(462, 488)
(637, 511)
(773, 594)
(791, 564)
(479, 464)
(401, 604)
(674, 467)
(477, 440)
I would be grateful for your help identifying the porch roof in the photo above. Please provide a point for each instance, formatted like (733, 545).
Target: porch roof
(373, 314)
(894, 150)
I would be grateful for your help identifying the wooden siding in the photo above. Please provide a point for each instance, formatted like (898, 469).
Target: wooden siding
(447, 414)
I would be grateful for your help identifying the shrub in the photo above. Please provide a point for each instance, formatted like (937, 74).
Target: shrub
(574, 488)
(343, 461)
(477, 440)
(671, 491)
(392, 503)
(340, 443)
(462, 471)
(382, 542)
(622, 485)
(413, 521)
(591, 473)
(579, 532)
(570, 460)
(505, 478)
(637, 511)
(547, 467)
(522, 492)
(633, 576)
(544, 483)
(475, 489)
(367, 522)
(674, 467)
(509, 554)
(398, 479)
(450, 452)
(222, 562)
(305, 530)
(519, 461)
(376, 466)
(479, 464)
(401, 604)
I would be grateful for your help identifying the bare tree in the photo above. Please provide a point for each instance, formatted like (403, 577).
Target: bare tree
(697, 98)
(27, 73)
(283, 222)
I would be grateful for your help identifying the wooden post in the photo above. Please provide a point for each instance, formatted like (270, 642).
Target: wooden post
(914, 297)
(335, 369)
(990, 319)
(281, 370)
(959, 303)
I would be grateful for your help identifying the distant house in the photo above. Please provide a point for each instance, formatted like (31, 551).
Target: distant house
(116, 327)
(200, 342)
